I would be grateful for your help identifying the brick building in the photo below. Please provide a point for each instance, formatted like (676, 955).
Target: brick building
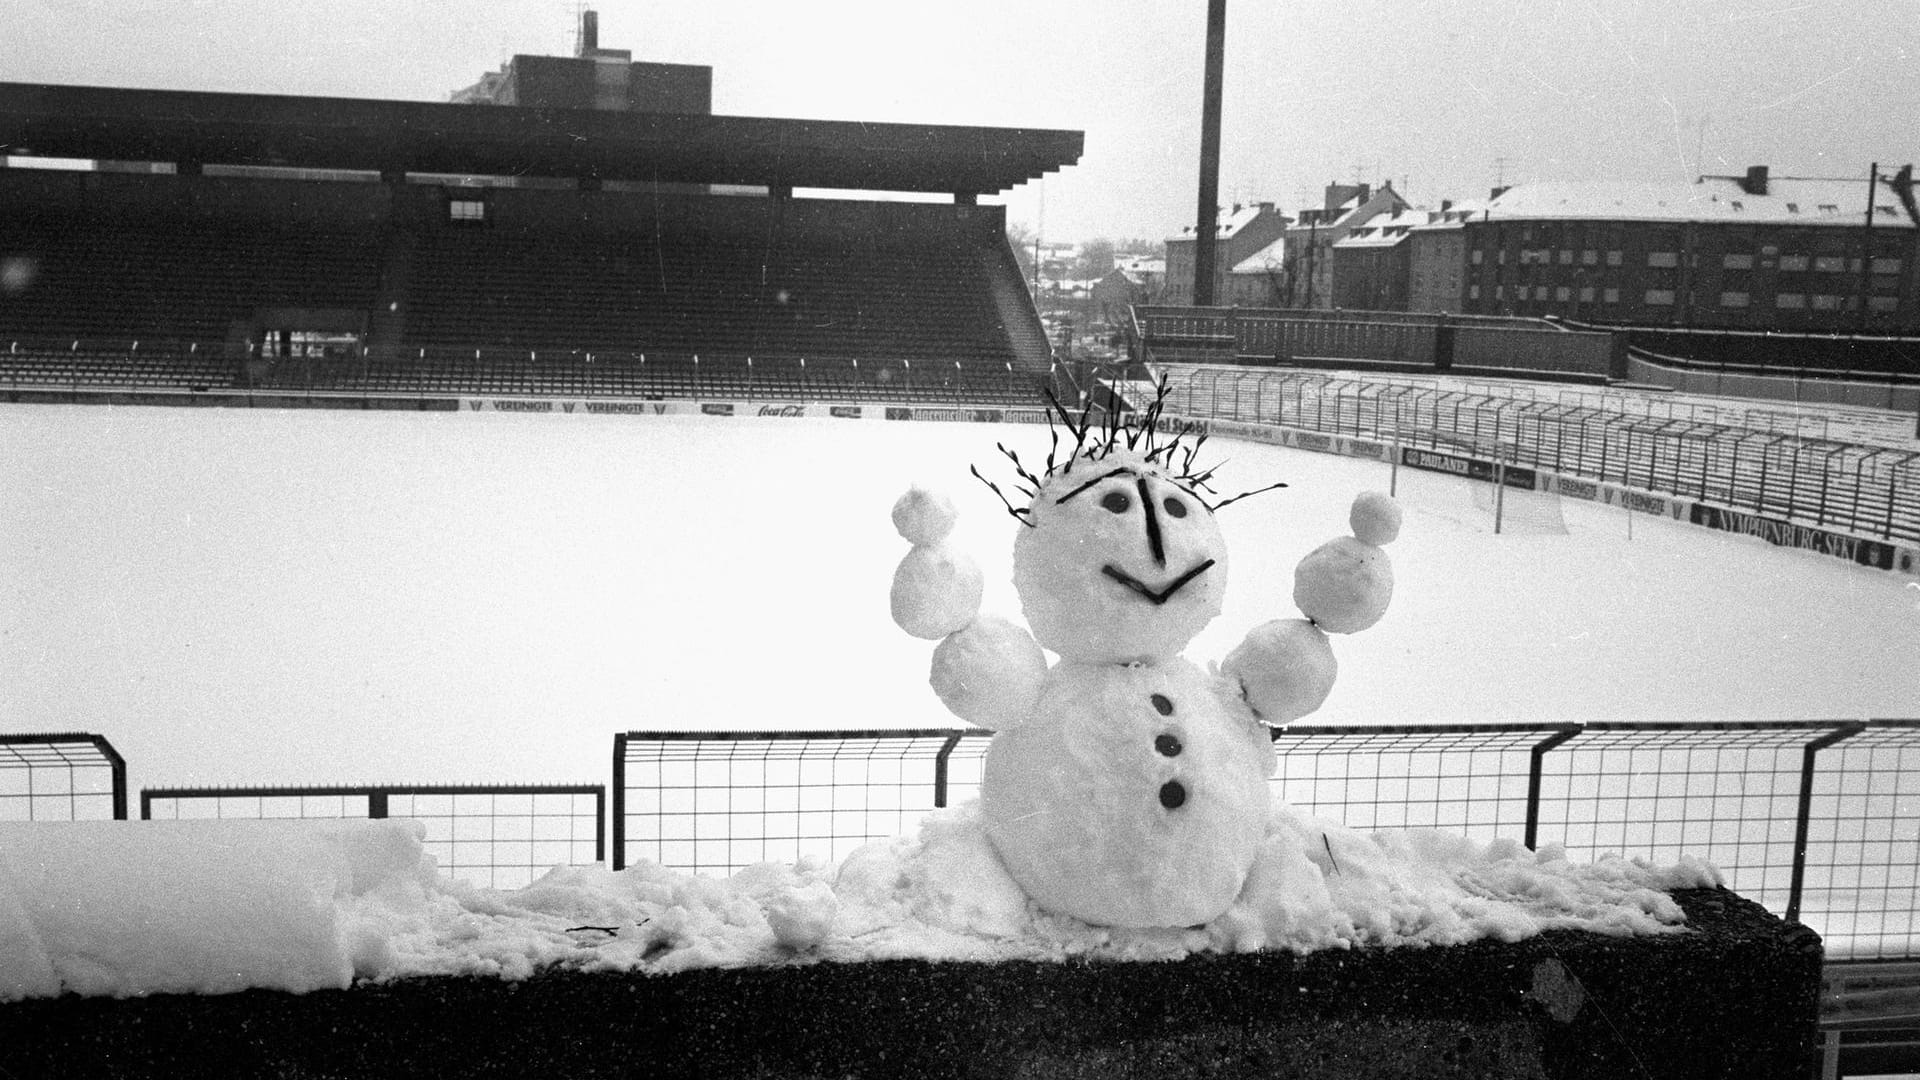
(1752, 251)
(1308, 270)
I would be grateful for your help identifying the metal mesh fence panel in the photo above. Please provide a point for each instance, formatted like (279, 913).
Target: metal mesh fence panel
(498, 836)
(1471, 779)
(1742, 796)
(720, 801)
(1862, 879)
(1725, 793)
(61, 777)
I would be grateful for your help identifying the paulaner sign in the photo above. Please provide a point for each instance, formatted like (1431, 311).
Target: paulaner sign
(1471, 468)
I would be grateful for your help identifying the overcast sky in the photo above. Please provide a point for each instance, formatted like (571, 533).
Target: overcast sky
(1443, 97)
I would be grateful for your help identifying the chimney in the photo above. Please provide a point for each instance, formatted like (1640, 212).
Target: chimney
(589, 34)
(1756, 181)
(1446, 205)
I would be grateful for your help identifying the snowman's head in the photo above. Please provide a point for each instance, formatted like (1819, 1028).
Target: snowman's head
(1122, 562)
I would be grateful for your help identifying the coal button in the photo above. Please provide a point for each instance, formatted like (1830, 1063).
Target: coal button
(1161, 705)
(1167, 745)
(1173, 794)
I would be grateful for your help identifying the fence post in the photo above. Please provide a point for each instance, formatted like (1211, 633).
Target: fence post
(1805, 810)
(940, 770)
(1534, 769)
(619, 813)
(118, 766)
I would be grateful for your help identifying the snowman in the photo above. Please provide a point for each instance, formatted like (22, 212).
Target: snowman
(1125, 785)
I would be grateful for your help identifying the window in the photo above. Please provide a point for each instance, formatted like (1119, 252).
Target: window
(1663, 258)
(1829, 264)
(1737, 262)
(1563, 294)
(1659, 297)
(1822, 302)
(1566, 257)
(1586, 294)
(1476, 256)
(1792, 263)
(1883, 303)
(466, 209)
(1829, 208)
(1589, 257)
(1886, 266)
(1613, 258)
(1473, 292)
(1539, 292)
(1733, 299)
(1790, 301)
(1610, 296)
(1499, 292)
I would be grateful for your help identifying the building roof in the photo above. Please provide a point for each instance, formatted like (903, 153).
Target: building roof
(1384, 230)
(1230, 222)
(1267, 259)
(430, 137)
(1718, 199)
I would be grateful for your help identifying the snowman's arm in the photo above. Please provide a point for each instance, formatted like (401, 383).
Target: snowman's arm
(986, 670)
(1286, 668)
(989, 672)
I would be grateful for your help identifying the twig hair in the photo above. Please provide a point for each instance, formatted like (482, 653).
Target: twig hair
(1143, 431)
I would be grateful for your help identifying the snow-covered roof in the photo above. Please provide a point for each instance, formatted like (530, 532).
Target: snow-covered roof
(1453, 217)
(1719, 199)
(1231, 221)
(1384, 230)
(1268, 258)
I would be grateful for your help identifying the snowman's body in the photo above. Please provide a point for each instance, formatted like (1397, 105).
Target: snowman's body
(1134, 795)
(1124, 785)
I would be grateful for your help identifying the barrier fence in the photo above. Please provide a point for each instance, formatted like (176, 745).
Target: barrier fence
(68, 776)
(1869, 491)
(1817, 820)
(500, 836)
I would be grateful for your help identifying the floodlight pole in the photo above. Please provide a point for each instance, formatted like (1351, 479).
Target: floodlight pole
(1208, 219)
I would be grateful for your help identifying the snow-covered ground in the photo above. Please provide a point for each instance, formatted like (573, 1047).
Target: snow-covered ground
(275, 597)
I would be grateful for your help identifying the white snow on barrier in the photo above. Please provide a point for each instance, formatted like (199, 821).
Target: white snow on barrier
(133, 908)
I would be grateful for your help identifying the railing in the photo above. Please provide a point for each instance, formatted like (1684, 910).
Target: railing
(61, 777)
(501, 836)
(1870, 491)
(1819, 821)
(99, 366)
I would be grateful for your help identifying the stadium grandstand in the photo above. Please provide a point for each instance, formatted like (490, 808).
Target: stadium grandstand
(210, 242)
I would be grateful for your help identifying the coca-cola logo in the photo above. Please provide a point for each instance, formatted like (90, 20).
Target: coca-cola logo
(783, 410)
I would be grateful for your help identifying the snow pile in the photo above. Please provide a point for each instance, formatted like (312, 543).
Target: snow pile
(126, 908)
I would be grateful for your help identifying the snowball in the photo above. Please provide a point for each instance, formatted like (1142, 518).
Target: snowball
(1375, 518)
(936, 591)
(1134, 796)
(1286, 669)
(989, 673)
(924, 517)
(1343, 585)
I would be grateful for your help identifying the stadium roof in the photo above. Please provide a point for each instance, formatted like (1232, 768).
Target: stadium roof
(425, 137)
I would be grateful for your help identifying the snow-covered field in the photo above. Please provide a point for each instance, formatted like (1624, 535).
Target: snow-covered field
(240, 597)
(297, 597)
